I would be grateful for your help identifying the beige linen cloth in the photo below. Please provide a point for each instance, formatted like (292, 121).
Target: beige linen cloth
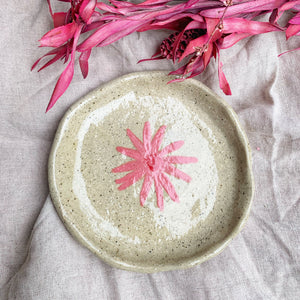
(38, 257)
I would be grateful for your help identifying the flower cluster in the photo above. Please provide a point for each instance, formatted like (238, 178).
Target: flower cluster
(201, 29)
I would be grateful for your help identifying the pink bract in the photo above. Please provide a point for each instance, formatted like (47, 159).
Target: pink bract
(151, 163)
(223, 23)
(64, 38)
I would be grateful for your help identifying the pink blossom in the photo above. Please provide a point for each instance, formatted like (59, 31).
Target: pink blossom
(151, 163)
(222, 24)
(64, 38)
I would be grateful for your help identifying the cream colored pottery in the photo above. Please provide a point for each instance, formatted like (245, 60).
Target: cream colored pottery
(213, 206)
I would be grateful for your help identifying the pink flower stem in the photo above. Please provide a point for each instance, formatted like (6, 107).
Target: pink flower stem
(200, 50)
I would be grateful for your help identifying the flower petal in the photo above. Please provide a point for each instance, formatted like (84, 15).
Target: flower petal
(178, 17)
(180, 79)
(159, 193)
(211, 26)
(130, 179)
(59, 35)
(191, 25)
(288, 51)
(86, 9)
(107, 8)
(241, 25)
(179, 71)
(157, 140)
(50, 8)
(292, 30)
(224, 85)
(129, 166)
(197, 68)
(83, 62)
(129, 152)
(170, 148)
(296, 19)
(230, 40)
(154, 2)
(244, 8)
(145, 189)
(57, 51)
(289, 5)
(67, 75)
(171, 170)
(169, 187)
(110, 31)
(193, 45)
(51, 61)
(207, 55)
(152, 58)
(114, 36)
(59, 19)
(147, 137)
(181, 159)
(136, 141)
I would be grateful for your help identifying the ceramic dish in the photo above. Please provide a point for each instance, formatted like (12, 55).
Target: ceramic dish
(177, 207)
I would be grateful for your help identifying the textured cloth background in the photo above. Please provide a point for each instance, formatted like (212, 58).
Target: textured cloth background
(40, 260)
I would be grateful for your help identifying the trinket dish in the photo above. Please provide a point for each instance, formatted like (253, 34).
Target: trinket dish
(151, 176)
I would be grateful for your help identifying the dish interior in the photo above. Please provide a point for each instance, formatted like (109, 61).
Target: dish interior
(112, 223)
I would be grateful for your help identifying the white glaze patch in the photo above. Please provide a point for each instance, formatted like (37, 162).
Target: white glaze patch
(196, 198)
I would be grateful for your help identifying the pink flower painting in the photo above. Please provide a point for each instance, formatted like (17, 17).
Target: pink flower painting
(152, 164)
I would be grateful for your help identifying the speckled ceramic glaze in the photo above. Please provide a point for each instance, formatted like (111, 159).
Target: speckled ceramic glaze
(213, 207)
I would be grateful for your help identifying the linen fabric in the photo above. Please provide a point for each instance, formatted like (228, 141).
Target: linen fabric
(39, 259)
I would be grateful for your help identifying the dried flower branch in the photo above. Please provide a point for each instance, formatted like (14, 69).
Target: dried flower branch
(201, 30)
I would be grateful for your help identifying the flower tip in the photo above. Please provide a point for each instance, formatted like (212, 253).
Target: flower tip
(118, 181)
(84, 75)
(180, 143)
(163, 128)
(48, 107)
(228, 92)
(180, 79)
(142, 201)
(41, 44)
(161, 207)
(121, 187)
